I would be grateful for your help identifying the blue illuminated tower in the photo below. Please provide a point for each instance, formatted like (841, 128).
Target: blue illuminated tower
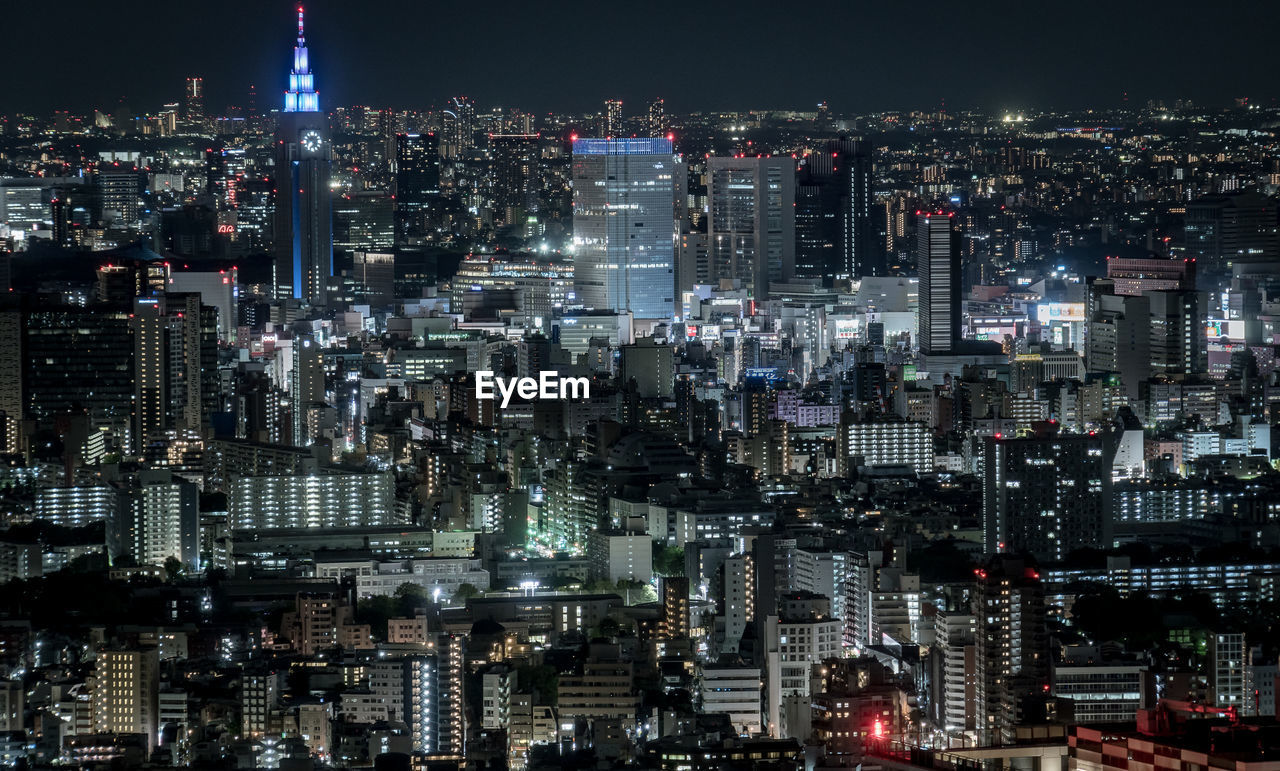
(303, 242)
(302, 95)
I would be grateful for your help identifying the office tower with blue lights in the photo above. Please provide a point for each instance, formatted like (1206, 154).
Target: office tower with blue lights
(624, 225)
(303, 218)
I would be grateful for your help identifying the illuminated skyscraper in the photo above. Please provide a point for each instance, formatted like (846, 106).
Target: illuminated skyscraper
(938, 263)
(624, 225)
(306, 386)
(303, 219)
(80, 360)
(752, 222)
(613, 117)
(363, 219)
(1011, 645)
(150, 383)
(302, 95)
(515, 174)
(193, 106)
(175, 377)
(460, 125)
(657, 118)
(417, 182)
(835, 232)
(1047, 494)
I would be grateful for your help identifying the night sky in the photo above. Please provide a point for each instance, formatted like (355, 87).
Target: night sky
(860, 56)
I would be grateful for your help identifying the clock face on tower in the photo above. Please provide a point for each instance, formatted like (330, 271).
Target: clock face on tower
(311, 141)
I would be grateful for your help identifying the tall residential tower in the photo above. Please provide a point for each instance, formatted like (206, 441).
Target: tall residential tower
(938, 263)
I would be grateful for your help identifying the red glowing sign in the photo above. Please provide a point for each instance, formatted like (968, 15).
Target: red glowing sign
(226, 228)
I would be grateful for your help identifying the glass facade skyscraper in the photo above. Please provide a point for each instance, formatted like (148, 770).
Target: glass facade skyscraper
(417, 183)
(624, 225)
(752, 222)
(835, 233)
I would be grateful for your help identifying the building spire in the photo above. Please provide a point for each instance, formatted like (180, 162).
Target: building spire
(302, 95)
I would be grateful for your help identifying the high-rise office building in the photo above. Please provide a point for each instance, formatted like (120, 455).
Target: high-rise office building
(1224, 229)
(1179, 344)
(303, 157)
(119, 191)
(80, 361)
(752, 221)
(417, 183)
(1118, 334)
(26, 204)
(363, 219)
(693, 260)
(836, 235)
(1138, 336)
(938, 264)
(612, 118)
(1135, 275)
(175, 356)
(375, 275)
(624, 225)
(193, 104)
(193, 359)
(1047, 494)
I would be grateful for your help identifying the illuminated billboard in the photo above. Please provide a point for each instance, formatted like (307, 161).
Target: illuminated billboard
(1232, 329)
(1049, 312)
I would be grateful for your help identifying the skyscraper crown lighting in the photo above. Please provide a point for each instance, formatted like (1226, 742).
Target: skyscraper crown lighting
(302, 95)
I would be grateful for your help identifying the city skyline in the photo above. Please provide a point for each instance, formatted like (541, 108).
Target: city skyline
(337, 437)
(1086, 61)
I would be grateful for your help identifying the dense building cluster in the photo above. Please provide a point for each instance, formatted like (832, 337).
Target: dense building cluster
(471, 438)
